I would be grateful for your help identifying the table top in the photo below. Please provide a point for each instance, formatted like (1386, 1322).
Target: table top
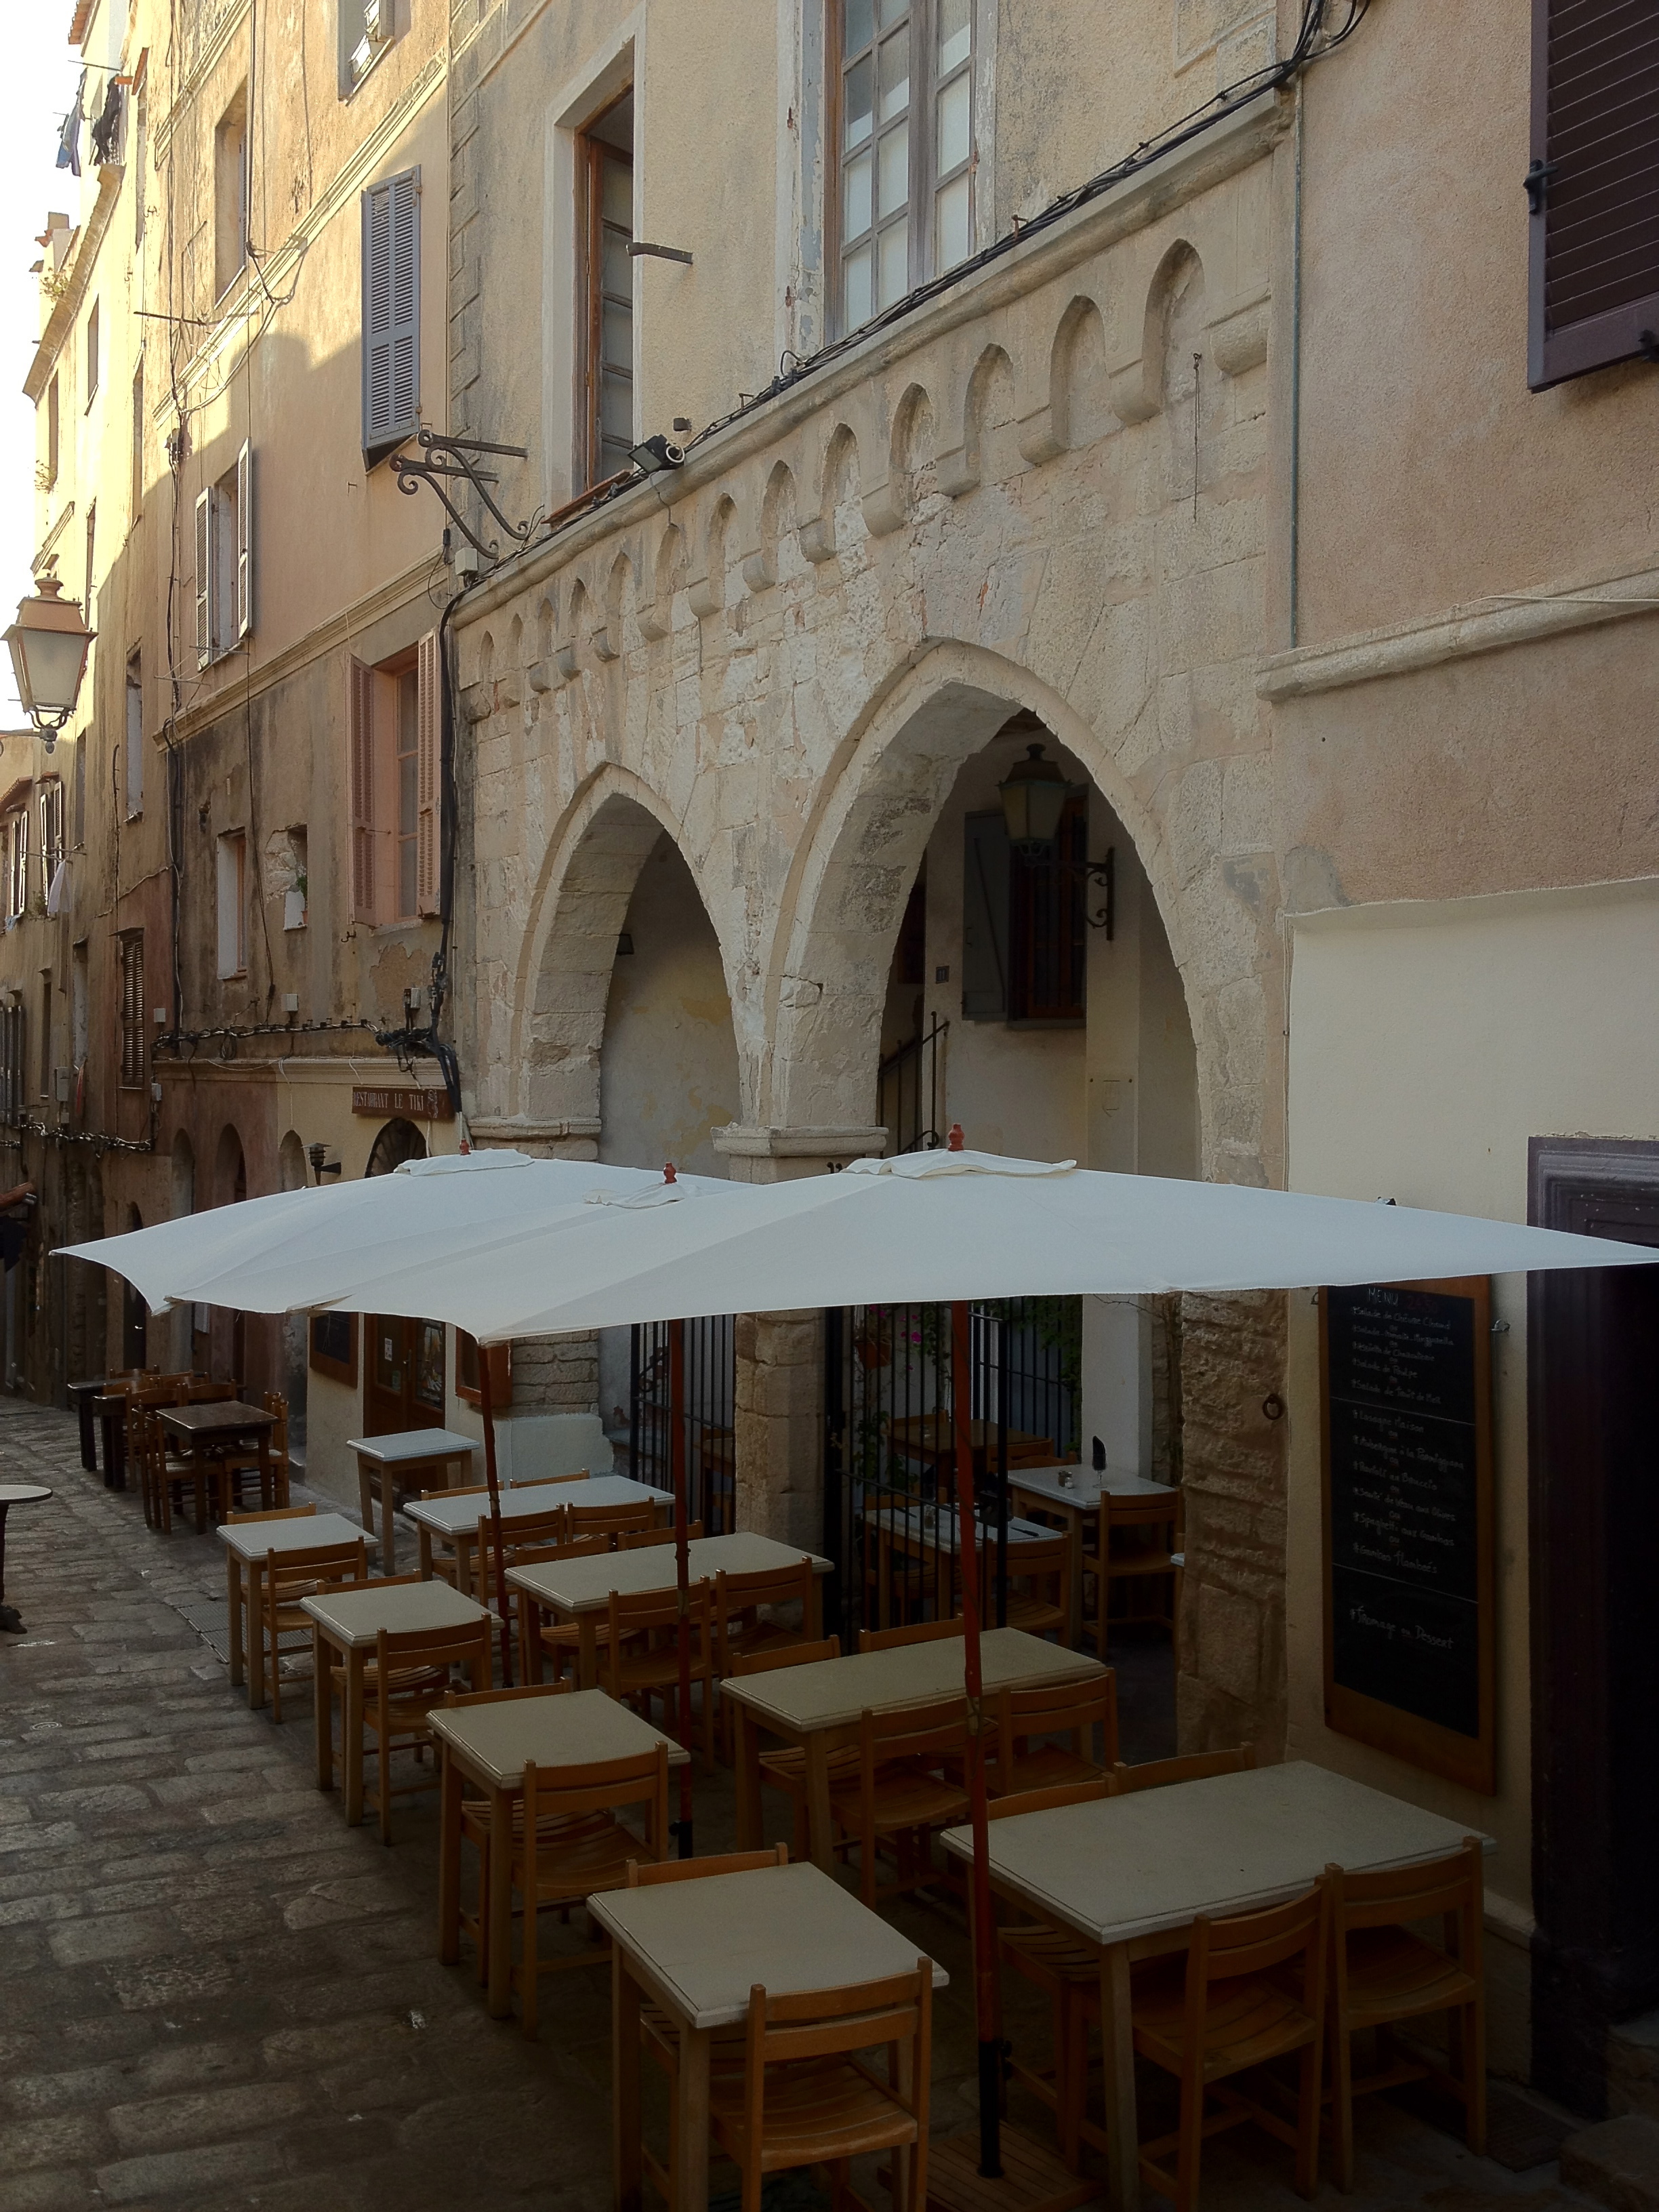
(217, 1413)
(1083, 1493)
(938, 1528)
(788, 1928)
(22, 1493)
(933, 1432)
(351, 1618)
(412, 1444)
(452, 1515)
(1135, 1865)
(833, 1693)
(252, 1540)
(582, 1585)
(581, 1727)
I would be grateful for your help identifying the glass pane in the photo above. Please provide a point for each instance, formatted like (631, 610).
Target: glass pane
(894, 247)
(405, 879)
(855, 197)
(855, 103)
(617, 193)
(409, 800)
(856, 306)
(955, 125)
(893, 11)
(953, 242)
(616, 346)
(857, 26)
(409, 696)
(955, 33)
(894, 60)
(616, 406)
(615, 270)
(893, 152)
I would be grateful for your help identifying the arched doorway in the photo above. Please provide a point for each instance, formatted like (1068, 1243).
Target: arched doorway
(398, 1140)
(405, 1363)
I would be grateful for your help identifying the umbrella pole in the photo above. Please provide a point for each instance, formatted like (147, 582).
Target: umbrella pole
(979, 1878)
(682, 1566)
(487, 1408)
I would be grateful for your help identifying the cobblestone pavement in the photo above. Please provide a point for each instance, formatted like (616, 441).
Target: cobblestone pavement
(214, 1994)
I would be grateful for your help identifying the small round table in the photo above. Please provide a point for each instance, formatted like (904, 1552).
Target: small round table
(16, 1493)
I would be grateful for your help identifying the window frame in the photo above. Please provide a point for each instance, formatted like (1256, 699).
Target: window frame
(50, 798)
(16, 830)
(591, 154)
(373, 714)
(134, 738)
(230, 888)
(224, 561)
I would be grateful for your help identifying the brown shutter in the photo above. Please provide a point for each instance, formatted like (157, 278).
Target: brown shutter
(362, 734)
(428, 764)
(1593, 184)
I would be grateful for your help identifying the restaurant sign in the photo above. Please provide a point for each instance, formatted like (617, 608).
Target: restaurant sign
(415, 1105)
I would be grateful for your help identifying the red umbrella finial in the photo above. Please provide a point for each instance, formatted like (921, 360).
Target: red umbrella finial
(668, 1173)
(953, 1142)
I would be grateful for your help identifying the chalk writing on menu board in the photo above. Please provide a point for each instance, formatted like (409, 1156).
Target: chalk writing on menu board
(1404, 1501)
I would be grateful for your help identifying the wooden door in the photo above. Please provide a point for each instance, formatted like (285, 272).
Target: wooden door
(404, 1368)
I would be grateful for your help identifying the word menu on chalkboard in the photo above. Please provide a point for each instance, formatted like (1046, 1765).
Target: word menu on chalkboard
(1406, 1369)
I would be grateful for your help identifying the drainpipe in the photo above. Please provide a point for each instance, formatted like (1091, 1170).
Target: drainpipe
(1296, 381)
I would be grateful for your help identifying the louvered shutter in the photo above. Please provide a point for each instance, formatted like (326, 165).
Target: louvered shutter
(203, 578)
(391, 311)
(244, 541)
(1594, 183)
(361, 718)
(429, 760)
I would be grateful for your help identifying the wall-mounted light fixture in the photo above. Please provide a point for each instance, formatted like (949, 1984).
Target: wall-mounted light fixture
(1034, 794)
(321, 1165)
(655, 455)
(49, 644)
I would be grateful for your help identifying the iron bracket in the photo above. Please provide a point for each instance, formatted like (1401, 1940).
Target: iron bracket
(451, 457)
(1104, 873)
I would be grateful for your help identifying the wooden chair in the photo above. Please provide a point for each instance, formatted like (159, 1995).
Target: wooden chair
(289, 1577)
(536, 1481)
(239, 1461)
(610, 1519)
(405, 1677)
(1129, 1554)
(920, 1631)
(645, 1539)
(805, 2096)
(740, 1629)
(475, 1823)
(539, 1639)
(903, 1790)
(1039, 1586)
(1252, 1989)
(524, 1532)
(1073, 1709)
(411, 1677)
(784, 1769)
(1381, 1974)
(639, 1657)
(1190, 1766)
(276, 1513)
(560, 1855)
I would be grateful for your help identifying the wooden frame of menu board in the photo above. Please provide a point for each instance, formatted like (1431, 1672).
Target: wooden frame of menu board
(1409, 1566)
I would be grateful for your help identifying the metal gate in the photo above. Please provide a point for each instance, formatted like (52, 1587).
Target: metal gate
(710, 1402)
(889, 1472)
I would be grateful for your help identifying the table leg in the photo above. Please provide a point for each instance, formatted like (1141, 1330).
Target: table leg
(625, 2084)
(464, 1546)
(351, 1747)
(530, 1642)
(449, 1858)
(424, 1536)
(268, 1498)
(745, 1754)
(818, 1827)
(5, 1509)
(1118, 2072)
(256, 1596)
(366, 1505)
(498, 1934)
(323, 1702)
(587, 1664)
(814, 1623)
(692, 2181)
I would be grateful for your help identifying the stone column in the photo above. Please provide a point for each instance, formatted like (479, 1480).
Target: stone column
(779, 1416)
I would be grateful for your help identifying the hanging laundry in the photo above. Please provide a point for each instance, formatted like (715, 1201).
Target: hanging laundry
(107, 130)
(69, 138)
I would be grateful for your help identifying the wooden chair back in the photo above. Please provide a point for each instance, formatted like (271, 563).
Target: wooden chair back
(333, 1565)
(1074, 1710)
(643, 1539)
(522, 1528)
(785, 1655)
(646, 1612)
(276, 1513)
(467, 1490)
(1039, 1577)
(813, 2024)
(920, 1631)
(404, 1650)
(924, 1735)
(605, 1786)
(1047, 1800)
(1190, 1766)
(200, 1392)
(1454, 1885)
(1258, 1943)
(453, 1699)
(610, 1519)
(647, 1876)
(573, 1547)
(539, 1481)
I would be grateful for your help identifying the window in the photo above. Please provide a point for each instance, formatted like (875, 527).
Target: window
(92, 353)
(500, 1358)
(233, 904)
(230, 195)
(17, 863)
(80, 1004)
(45, 1032)
(132, 1009)
(392, 313)
(1594, 183)
(53, 433)
(51, 837)
(367, 28)
(396, 739)
(903, 125)
(11, 1063)
(606, 293)
(224, 561)
(136, 507)
(134, 735)
(1025, 935)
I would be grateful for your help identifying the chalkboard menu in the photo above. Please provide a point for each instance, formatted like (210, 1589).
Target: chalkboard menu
(1405, 1369)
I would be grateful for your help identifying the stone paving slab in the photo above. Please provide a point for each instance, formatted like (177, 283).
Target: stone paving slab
(214, 1994)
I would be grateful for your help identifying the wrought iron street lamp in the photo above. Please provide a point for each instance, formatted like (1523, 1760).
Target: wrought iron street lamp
(1034, 794)
(49, 644)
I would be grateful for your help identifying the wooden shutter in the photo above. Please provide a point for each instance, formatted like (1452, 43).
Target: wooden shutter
(985, 918)
(361, 715)
(429, 739)
(391, 311)
(244, 541)
(203, 578)
(1594, 183)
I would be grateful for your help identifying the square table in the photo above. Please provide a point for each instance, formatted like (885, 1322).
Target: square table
(579, 1589)
(386, 1465)
(217, 1425)
(1130, 1874)
(490, 1746)
(456, 1518)
(347, 1622)
(819, 1707)
(1074, 1493)
(933, 1533)
(696, 1953)
(246, 1544)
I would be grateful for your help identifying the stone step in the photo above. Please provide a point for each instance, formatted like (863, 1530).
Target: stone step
(1633, 2066)
(1616, 2162)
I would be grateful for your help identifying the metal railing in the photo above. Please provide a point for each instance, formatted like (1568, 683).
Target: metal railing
(710, 1416)
(911, 1092)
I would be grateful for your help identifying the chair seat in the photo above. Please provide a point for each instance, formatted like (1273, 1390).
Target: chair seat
(815, 2113)
(1393, 1974)
(1034, 1617)
(1052, 1955)
(1249, 2021)
(904, 1797)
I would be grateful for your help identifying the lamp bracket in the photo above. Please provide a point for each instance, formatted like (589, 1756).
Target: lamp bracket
(1104, 872)
(452, 457)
